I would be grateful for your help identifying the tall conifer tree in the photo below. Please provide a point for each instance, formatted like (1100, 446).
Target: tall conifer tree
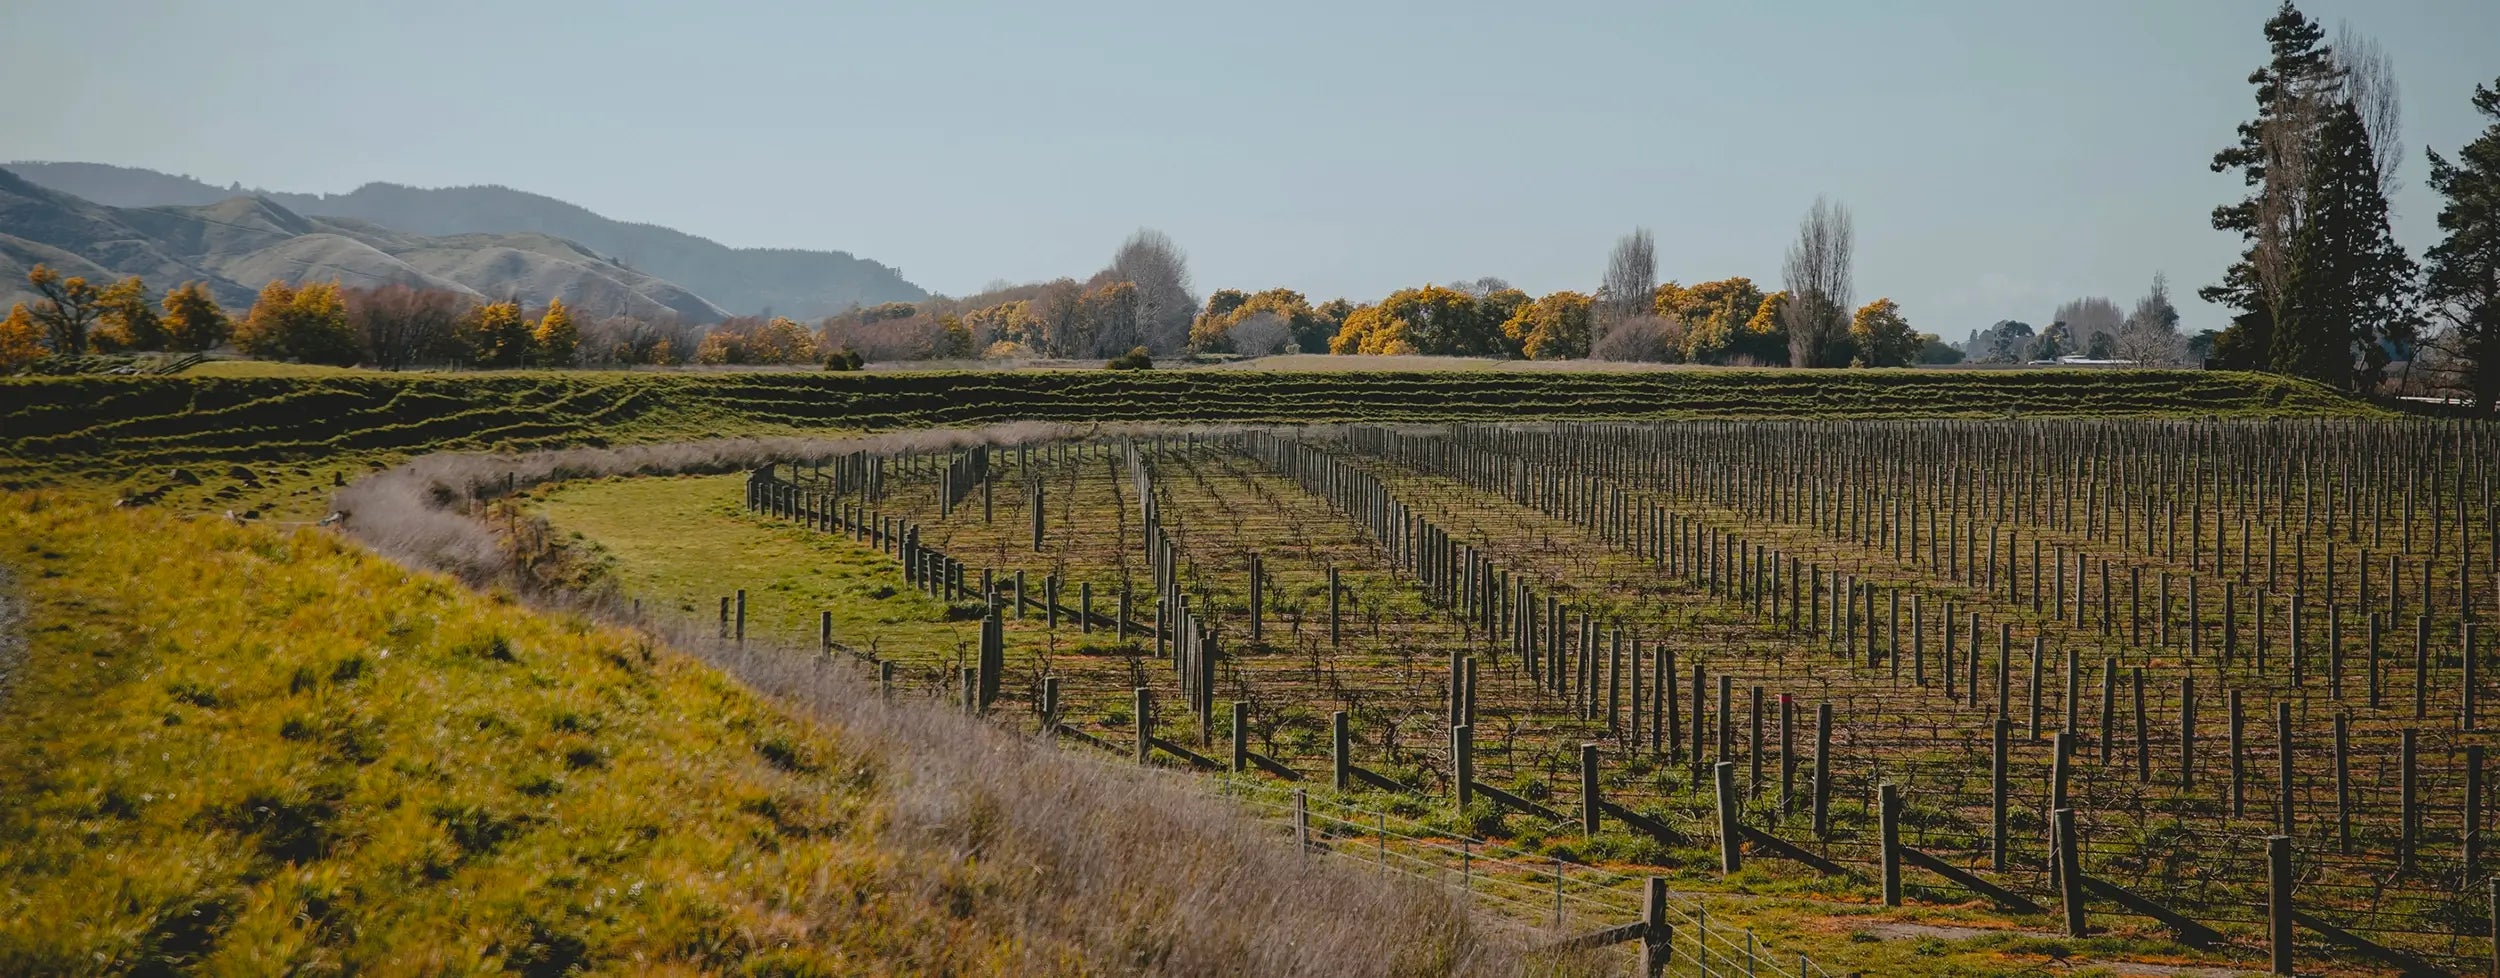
(2464, 281)
(2349, 298)
(2268, 218)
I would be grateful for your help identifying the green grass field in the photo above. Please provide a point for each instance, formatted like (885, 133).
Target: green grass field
(681, 543)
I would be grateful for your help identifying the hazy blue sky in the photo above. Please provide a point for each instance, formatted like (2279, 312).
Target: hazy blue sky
(1999, 155)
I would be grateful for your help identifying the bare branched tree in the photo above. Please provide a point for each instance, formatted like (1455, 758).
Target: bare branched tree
(1160, 271)
(2150, 335)
(400, 325)
(2287, 138)
(1818, 281)
(1260, 334)
(2369, 83)
(2092, 320)
(1631, 276)
(1059, 325)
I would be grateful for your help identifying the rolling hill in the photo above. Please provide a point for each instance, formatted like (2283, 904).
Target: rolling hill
(791, 282)
(240, 243)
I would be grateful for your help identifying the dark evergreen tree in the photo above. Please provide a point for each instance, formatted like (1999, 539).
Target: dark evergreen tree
(2464, 282)
(2349, 297)
(2301, 66)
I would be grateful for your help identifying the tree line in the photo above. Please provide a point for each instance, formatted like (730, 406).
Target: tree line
(391, 326)
(2321, 288)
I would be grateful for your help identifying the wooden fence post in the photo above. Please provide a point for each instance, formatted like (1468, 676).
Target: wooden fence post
(1788, 755)
(2143, 732)
(1822, 770)
(1753, 749)
(1589, 798)
(2070, 871)
(2283, 765)
(1888, 816)
(2187, 733)
(1258, 592)
(1724, 777)
(1657, 936)
(2343, 783)
(2407, 818)
(1463, 749)
(2279, 903)
(1341, 737)
(1336, 630)
(2109, 709)
(2465, 691)
(1145, 723)
(1997, 828)
(1302, 820)
(2473, 828)
(1241, 736)
(1050, 706)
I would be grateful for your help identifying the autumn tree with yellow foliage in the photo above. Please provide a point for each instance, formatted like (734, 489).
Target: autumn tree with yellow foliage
(498, 335)
(21, 340)
(127, 320)
(1278, 317)
(555, 342)
(68, 310)
(306, 324)
(1556, 327)
(747, 340)
(1723, 322)
(1884, 339)
(193, 321)
(1434, 320)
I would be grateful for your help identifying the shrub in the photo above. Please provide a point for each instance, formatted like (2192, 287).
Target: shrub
(1137, 358)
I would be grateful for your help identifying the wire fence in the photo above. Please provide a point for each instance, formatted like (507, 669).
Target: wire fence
(1545, 897)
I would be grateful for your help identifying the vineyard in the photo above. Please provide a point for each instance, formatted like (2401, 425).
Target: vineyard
(1877, 661)
(152, 436)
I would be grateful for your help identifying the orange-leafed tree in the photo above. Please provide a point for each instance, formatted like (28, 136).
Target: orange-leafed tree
(69, 309)
(193, 321)
(556, 340)
(21, 339)
(127, 319)
(1883, 338)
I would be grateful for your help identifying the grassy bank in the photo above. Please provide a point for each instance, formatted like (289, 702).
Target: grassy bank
(236, 749)
(231, 749)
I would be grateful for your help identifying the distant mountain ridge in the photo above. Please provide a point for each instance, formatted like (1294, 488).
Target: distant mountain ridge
(238, 244)
(744, 281)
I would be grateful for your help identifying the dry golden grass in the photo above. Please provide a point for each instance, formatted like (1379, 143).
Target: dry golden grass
(236, 750)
